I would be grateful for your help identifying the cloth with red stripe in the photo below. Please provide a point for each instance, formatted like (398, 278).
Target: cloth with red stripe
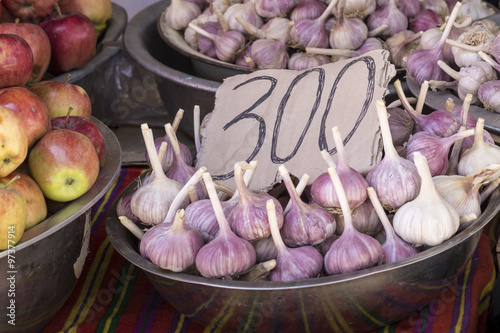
(113, 295)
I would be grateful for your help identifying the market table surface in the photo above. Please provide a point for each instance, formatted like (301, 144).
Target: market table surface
(113, 295)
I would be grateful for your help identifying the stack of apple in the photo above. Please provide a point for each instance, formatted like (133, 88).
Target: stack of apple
(50, 150)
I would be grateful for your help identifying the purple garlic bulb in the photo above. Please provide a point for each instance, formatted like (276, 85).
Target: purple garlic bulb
(311, 32)
(206, 45)
(347, 32)
(166, 159)
(439, 122)
(426, 19)
(123, 208)
(434, 148)
(300, 61)
(353, 250)
(395, 178)
(248, 219)
(291, 263)
(245, 58)
(364, 219)
(401, 125)
(304, 224)
(228, 44)
(325, 246)
(265, 249)
(247, 11)
(401, 44)
(409, 7)
(180, 171)
(322, 190)
(488, 93)
(307, 10)
(226, 254)
(394, 247)
(172, 246)
(269, 54)
(389, 15)
(274, 8)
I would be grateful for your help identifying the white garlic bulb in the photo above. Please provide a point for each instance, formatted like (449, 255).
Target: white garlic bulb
(428, 219)
(359, 8)
(179, 13)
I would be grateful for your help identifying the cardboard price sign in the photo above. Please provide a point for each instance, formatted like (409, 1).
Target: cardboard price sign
(286, 117)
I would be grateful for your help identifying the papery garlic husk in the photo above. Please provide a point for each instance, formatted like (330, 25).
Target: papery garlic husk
(353, 250)
(395, 248)
(311, 33)
(462, 192)
(401, 125)
(247, 11)
(151, 202)
(487, 24)
(480, 155)
(389, 15)
(364, 219)
(347, 33)
(269, 54)
(179, 13)
(291, 263)
(172, 246)
(489, 94)
(248, 219)
(426, 19)
(488, 189)
(422, 64)
(322, 190)
(359, 8)
(274, 8)
(265, 249)
(307, 9)
(304, 224)
(395, 178)
(301, 60)
(401, 44)
(226, 254)
(428, 219)
(434, 148)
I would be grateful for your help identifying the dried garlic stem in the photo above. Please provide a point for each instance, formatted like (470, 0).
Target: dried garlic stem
(259, 270)
(177, 119)
(196, 129)
(328, 158)
(299, 189)
(214, 199)
(131, 226)
(424, 88)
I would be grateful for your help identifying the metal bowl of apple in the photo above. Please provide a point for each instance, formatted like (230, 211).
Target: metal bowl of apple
(41, 270)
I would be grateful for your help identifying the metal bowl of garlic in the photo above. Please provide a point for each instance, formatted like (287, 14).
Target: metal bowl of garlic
(48, 260)
(358, 301)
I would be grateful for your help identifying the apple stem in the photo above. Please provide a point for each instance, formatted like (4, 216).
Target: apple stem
(16, 177)
(17, 20)
(67, 117)
(67, 77)
(58, 9)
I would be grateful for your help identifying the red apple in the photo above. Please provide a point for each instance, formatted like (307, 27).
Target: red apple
(84, 126)
(60, 96)
(29, 9)
(39, 43)
(72, 38)
(16, 61)
(13, 214)
(13, 141)
(64, 164)
(32, 194)
(31, 109)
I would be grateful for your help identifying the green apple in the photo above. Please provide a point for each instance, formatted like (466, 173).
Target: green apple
(13, 141)
(32, 194)
(64, 164)
(13, 214)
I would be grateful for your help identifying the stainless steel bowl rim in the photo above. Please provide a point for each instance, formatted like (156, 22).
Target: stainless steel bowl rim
(57, 221)
(131, 37)
(133, 256)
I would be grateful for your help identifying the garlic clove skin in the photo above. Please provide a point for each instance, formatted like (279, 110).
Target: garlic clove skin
(269, 54)
(265, 249)
(401, 125)
(307, 10)
(440, 7)
(171, 246)
(364, 219)
(359, 8)
(428, 219)
(426, 19)
(409, 7)
(291, 263)
(123, 208)
(389, 15)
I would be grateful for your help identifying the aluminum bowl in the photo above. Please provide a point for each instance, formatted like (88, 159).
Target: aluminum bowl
(358, 301)
(49, 258)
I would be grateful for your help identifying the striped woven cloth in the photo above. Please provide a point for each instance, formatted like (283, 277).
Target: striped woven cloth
(113, 295)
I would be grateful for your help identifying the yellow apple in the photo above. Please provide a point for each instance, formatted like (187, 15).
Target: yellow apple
(13, 214)
(32, 194)
(98, 11)
(64, 163)
(13, 141)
